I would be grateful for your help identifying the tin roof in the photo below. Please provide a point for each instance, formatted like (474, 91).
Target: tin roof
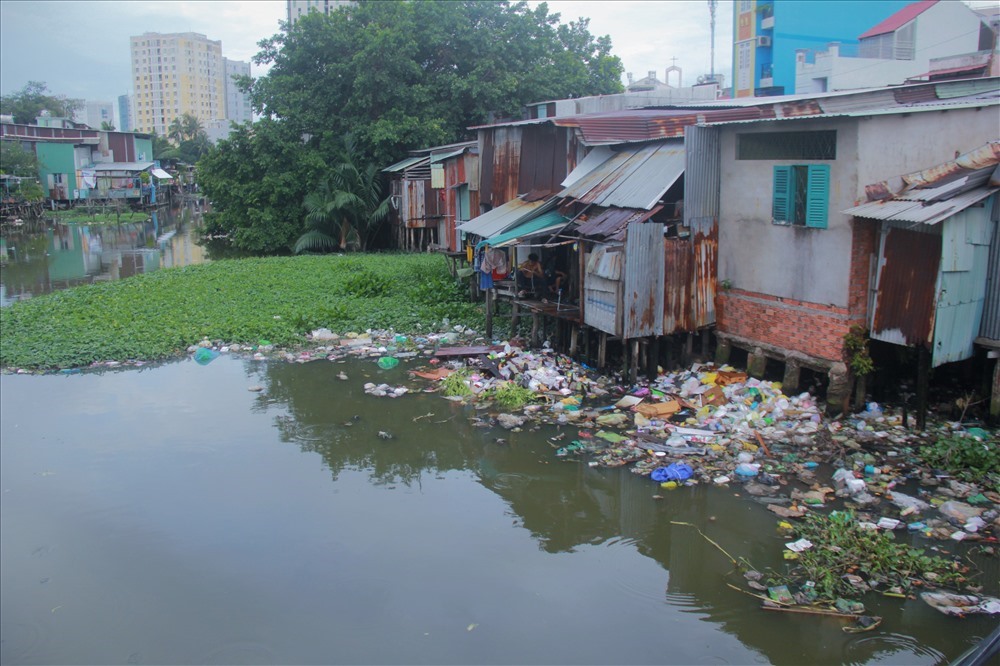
(611, 224)
(544, 224)
(900, 18)
(402, 164)
(634, 177)
(920, 212)
(504, 217)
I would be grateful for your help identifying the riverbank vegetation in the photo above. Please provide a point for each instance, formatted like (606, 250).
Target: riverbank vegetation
(97, 215)
(246, 301)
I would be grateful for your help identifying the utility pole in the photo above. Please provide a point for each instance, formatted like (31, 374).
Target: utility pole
(712, 4)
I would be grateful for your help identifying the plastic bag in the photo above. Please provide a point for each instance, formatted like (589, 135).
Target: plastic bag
(672, 472)
(388, 362)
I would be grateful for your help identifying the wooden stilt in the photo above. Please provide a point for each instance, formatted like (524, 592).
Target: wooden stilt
(602, 350)
(923, 385)
(688, 350)
(489, 313)
(574, 332)
(515, 317)
(653, 358)
(706, 341)
(633, 361)
(534, 329)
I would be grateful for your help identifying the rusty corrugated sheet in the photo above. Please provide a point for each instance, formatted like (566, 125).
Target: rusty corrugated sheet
(506, 164)
(485, 166)
(984, 156)
(905, 293)
(643, 293)
(677, 283)
(610, 224)
(413, 203)
(650, 124)
(705, 276)
(915, 94)
(543, 157)
(802, 107)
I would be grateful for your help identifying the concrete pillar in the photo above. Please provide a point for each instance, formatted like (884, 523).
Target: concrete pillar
(757, 363)
(837, 390)
(723, 349)
(790, 382)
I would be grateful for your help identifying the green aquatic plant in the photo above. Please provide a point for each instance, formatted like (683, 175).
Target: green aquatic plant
(511, 396)
(456, 384)
(965, 456)
(848, 558)
(280, 299)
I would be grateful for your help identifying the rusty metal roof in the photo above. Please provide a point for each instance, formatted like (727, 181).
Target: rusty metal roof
(634, 177)
(920, 212)
(402, 164)
(611, 223)
(633, 125)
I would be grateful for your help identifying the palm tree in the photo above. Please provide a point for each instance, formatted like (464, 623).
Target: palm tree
(175, 131)
(192, 126)
(346, 209)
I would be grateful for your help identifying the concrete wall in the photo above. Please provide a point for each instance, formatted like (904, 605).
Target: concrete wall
(758, 256)
(897, 144)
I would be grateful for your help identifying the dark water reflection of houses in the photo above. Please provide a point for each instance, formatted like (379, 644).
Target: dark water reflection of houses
(39, 258)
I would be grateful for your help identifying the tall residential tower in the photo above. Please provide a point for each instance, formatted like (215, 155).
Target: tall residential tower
(174, 74)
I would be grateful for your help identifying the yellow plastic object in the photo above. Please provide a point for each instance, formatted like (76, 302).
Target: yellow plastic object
(668, 485)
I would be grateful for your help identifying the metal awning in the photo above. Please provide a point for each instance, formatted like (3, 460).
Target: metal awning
(504, 217)
(544, 224)
(610, 224)
(440, 157)
(402, 164)
(636, 177)
(918, 212)
(161, 174)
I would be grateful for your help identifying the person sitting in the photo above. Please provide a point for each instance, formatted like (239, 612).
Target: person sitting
(531, 277)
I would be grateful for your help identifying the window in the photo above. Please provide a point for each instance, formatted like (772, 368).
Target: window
(787, 146)
(801, 195)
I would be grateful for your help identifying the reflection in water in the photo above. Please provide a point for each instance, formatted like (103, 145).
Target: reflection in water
(278, 527)
(39, 258)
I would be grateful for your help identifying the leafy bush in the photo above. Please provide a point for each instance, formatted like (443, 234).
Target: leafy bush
(455, 384)
(510, 396)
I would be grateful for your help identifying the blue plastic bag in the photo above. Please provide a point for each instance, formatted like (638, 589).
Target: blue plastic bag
(672, 472)
(204, 355)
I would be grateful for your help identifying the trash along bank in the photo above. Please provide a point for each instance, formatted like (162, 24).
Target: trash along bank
(863, 505)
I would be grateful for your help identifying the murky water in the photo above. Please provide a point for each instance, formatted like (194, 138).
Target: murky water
(38, 257)
(170, 515)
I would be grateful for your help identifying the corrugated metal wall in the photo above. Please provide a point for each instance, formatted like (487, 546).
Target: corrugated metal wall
(506, 165)
(702, 182)
(602, 288)
(677, 282)
(643, 295)
(962, 290)
(906, 287)
(990, 326)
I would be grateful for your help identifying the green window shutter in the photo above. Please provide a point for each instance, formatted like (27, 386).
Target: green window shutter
(818, 196)
(781, 210)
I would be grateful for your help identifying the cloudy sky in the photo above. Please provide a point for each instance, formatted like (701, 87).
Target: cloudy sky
(81, 49)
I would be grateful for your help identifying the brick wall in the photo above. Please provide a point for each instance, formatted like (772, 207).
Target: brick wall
(810, 328)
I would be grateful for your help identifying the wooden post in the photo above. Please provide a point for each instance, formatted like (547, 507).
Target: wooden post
(602, 350)
(515, 317)
(923, 385)
(688, 350)
(534, 329)
(633, 362)
(706, 340)
(574, 332)
(489, 313)
(653, 358)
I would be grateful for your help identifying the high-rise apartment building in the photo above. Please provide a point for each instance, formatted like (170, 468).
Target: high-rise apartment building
(126, 116)
(174, 74)
(299, 8)
(94, 114)
(237, 102)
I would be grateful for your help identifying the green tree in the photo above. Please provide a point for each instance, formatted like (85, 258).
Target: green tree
(257, 180)
(16, 161)
(161, 147)
(402, 75)
(27, 103)
(349, 204)
(107, 127)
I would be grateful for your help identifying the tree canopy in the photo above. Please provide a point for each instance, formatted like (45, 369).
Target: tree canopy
(27, 103)
(403, 75)
(394, 76)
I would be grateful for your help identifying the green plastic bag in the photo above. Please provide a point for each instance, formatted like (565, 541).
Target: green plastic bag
(388, 362)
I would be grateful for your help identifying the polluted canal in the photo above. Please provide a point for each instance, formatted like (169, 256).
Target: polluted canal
(254, 510)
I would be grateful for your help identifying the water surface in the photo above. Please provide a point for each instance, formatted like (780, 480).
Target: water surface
(170, 515)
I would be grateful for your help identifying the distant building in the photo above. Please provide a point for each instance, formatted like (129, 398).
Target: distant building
(126, 113)
(299, 8)
(768, 33)
(174, 74)
(237, 102)
(927, 40)
(95, 113)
